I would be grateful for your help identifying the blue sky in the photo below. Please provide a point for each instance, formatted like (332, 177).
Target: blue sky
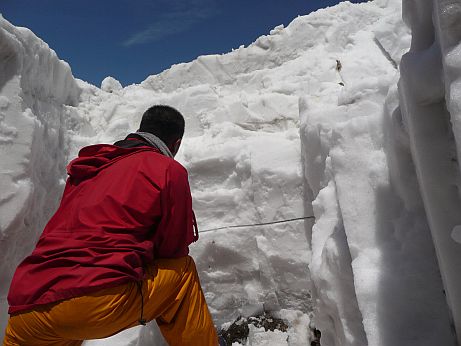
(131, 40)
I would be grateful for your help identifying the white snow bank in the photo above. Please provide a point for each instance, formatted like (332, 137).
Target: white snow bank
(373, 268)
(36, 92)
(430, 90)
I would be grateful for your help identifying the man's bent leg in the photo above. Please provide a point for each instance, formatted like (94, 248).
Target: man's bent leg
(31, 329)
(176, 300)
(96, 315)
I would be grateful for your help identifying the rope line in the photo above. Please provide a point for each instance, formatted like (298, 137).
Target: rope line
(258, 224)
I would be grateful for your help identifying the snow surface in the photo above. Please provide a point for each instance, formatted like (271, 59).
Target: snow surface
(305, 121)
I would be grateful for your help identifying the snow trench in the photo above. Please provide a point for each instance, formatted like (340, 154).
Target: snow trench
(322, 118)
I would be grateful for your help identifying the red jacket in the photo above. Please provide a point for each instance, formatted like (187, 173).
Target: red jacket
(121, 208)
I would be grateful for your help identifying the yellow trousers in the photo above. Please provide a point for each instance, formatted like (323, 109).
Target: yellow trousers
(172, 295)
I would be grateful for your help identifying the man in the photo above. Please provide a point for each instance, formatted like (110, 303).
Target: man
(115, 253)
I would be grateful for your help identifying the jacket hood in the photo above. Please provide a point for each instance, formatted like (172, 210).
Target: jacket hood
(94, 158)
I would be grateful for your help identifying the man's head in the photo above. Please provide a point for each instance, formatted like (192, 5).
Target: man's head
(166, 123)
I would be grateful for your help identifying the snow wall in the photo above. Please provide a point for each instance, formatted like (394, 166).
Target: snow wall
(430, 94)
(37, 91)
(374, 271)
(306, 121)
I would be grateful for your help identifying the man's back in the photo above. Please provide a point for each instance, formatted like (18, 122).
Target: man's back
(116, 215)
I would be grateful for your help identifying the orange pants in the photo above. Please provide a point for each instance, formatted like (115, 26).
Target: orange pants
(172, 296)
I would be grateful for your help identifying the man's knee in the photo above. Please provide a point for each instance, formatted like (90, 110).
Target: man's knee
(180, 266)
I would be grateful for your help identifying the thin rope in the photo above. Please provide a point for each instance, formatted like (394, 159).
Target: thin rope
(258, 224)
(141, 320)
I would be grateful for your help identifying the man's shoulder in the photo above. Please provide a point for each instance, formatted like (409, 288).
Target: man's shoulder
(175, 165)
(155, 160)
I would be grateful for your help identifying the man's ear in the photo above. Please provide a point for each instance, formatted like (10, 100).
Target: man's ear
(175, 146)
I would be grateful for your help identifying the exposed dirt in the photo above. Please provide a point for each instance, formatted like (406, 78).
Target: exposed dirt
(238, 331)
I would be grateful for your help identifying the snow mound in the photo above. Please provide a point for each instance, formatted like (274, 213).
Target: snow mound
(110, 85)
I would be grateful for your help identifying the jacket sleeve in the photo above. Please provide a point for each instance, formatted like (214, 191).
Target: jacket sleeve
(175, 231)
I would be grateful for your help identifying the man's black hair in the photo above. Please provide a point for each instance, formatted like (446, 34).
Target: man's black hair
(163, 121)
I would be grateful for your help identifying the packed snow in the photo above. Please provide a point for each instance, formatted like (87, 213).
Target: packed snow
(329, 118)
(430, 91)
(37, 91)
